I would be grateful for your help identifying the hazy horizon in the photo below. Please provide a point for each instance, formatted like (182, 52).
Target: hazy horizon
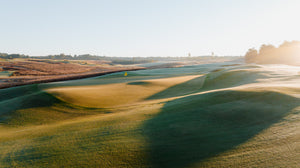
(145, 28)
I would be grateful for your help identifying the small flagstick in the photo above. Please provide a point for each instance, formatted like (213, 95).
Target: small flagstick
(125, 75)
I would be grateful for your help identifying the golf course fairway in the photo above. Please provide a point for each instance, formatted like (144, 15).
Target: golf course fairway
(211, 115)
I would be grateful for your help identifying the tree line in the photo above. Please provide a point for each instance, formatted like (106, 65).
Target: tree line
(113, 60)
(12, 56)
(286, 53)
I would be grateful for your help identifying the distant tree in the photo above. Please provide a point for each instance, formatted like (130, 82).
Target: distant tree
(289, 44)
(3, 55)
(266, 48)
(12, 56)
(267, 54)
(286, 53)
(251, 55)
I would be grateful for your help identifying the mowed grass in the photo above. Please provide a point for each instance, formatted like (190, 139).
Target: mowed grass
(180, 120)
(113, 95)
(98, 141)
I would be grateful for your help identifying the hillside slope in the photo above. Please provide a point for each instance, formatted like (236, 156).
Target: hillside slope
(215, 115)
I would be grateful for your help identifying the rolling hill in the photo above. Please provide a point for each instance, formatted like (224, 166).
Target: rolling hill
(211, 115)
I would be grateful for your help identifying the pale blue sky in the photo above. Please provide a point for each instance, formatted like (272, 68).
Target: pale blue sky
(145, 27)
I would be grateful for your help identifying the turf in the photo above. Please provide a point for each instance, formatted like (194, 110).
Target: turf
(195, 116)
(113, 95)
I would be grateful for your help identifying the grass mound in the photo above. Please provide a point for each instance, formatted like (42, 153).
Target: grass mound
(118, 94)
(185, 88)
(24, 97)
(17, 91)
(28, 105)
(232, 77)
(194, 128)
(238, 116)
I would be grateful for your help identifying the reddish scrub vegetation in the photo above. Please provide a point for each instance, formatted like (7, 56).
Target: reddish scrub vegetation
(41, 68)
(31, 71)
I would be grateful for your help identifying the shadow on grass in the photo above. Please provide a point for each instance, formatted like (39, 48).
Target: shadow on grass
(189, 87)
(194, 128)
(26, 97)
(28, 105)
(139, 83)
(217, 79)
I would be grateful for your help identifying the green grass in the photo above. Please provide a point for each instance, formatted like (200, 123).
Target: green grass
(194, 128)
(28, 105)
(239, 116)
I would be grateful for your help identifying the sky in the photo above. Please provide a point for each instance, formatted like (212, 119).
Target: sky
(145, 27)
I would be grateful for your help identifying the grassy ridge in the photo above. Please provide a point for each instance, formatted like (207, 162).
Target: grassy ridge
(174, 119)
(203, 126)
(112, 95)
(29, 105)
